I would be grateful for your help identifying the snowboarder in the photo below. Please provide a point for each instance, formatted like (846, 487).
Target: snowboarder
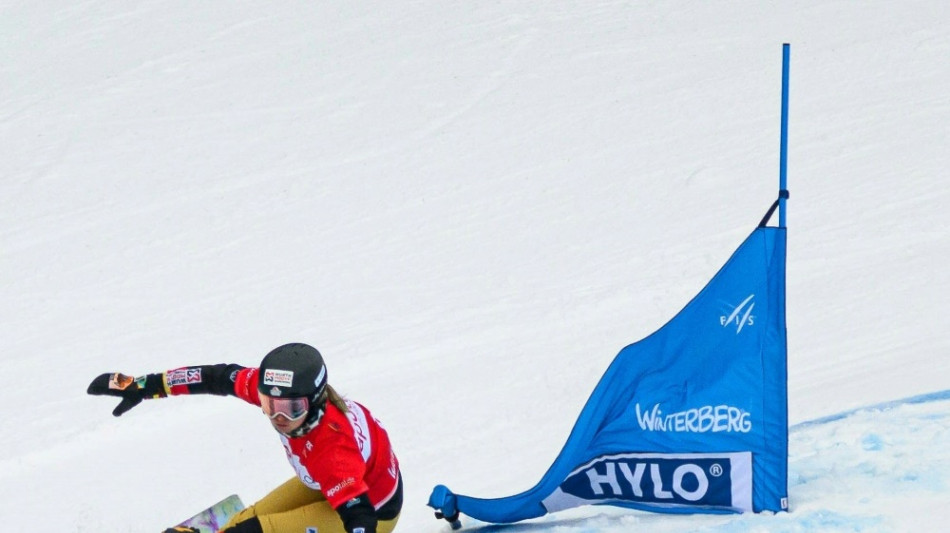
(348, 478)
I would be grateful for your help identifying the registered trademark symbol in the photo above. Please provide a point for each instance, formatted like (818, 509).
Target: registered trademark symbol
(715, 470)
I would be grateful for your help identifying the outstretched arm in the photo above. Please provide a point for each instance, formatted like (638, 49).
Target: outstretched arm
(206, 379)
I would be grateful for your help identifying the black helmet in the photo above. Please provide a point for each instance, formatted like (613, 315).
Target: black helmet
(296, 370)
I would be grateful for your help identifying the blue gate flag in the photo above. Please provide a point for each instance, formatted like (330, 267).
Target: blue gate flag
(693, 418)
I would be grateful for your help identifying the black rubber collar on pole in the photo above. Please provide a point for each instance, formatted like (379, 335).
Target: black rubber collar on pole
(782, 195)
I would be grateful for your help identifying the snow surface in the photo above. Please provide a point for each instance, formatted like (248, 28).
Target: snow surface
(469, 207)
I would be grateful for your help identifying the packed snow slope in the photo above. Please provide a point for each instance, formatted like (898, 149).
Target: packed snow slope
(470, 208)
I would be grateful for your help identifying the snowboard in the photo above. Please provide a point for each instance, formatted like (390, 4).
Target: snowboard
(214, 517)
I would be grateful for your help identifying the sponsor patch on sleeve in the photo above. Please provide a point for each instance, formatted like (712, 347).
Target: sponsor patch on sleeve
(183, 376)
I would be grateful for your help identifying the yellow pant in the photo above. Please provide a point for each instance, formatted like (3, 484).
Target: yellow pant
(294, 506)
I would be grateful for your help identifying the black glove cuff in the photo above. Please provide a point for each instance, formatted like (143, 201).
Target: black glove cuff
(152, 386)
(358, 514)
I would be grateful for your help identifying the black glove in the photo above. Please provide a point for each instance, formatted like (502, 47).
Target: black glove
(251, 525)
(131, 390)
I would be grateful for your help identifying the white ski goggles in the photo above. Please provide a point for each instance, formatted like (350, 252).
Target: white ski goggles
(292, 409)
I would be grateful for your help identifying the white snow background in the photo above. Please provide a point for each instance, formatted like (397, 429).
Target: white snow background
(469, 208)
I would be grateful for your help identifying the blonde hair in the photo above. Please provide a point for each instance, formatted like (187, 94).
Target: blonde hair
(334, 397)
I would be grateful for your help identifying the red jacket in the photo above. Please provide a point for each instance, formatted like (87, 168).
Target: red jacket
(346, 455)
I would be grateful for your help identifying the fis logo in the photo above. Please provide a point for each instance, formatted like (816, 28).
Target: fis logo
(741, 316)
(720, 481)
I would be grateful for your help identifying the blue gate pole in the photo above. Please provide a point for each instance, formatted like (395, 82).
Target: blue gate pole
(783, 150)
